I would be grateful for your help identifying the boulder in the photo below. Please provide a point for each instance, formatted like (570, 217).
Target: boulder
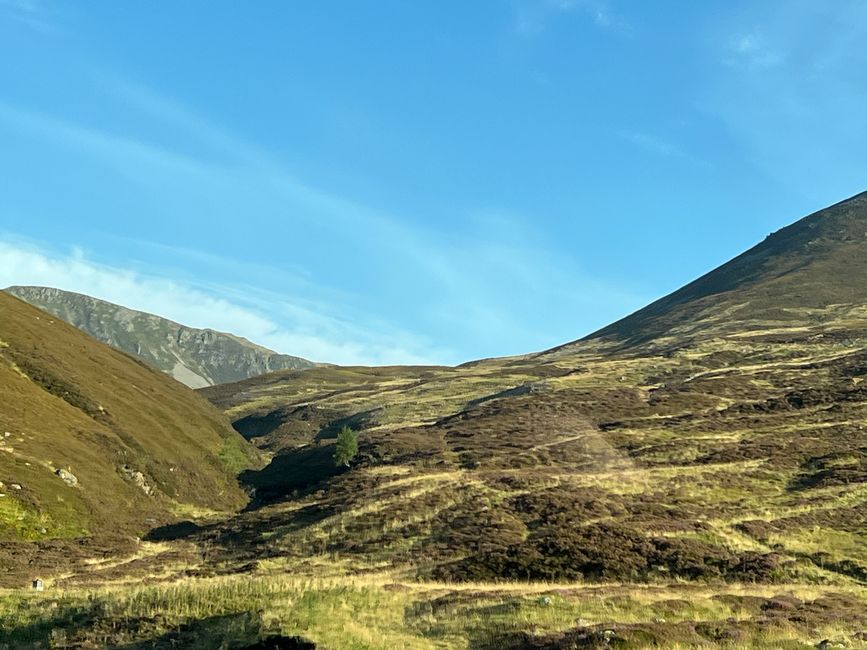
(67, 477)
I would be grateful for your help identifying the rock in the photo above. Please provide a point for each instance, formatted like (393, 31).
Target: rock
(827, 644)
(67, 477)
(137, 478)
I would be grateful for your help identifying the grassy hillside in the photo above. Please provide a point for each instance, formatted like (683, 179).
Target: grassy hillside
(736, 460)
(138, 445)
(715, 437)
(794, 276)
(694, 476)
(713, 497)
(195, 357)
(374, 612)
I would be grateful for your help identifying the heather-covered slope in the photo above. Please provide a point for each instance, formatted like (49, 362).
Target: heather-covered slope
(94, 442)
(810, 272)
(715, 437)
(705, 453)
(195, 357)
(696, 477)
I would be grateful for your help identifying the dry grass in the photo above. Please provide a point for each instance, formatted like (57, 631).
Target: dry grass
(374, 612)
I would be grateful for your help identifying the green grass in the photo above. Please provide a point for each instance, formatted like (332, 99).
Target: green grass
(372, 614)
(71, 402)
(235, 455)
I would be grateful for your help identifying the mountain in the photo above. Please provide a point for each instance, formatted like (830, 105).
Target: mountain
(810, 273)
(694, 475)
(195, 357)
(94, 442)
(714, 437)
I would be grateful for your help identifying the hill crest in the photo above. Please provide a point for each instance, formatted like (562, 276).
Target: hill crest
(195, 357)
(802, 272)
(92, 440)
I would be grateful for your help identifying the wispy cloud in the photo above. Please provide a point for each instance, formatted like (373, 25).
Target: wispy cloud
(789, 90)
(490, 284)
(301, 330)
(598, 11)
(533, 16)
(32, 13)
(752, 49)
(663, 147)
(133, 157)
(652, 143)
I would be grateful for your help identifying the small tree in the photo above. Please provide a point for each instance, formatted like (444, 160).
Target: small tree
(346, 447)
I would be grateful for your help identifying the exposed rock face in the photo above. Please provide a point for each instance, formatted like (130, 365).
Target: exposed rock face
(195, 357)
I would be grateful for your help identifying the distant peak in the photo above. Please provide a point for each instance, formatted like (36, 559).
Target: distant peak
(196, 357)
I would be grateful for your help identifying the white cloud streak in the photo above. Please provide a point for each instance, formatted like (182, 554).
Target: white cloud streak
(313, 335)
(662, 147)
(486, 284)
(752, 49)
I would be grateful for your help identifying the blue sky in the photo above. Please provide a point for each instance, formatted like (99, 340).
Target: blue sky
(402, 182)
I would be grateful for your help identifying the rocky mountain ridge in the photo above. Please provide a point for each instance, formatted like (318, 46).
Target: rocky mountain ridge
(195, 357)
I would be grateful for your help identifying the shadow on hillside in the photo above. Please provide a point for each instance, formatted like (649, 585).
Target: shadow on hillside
(48, 631)
(356, 422)
(226, 631)
(87, 627)
(517, 391)
(172, 532)
(285, 427)
(482, 640)
(256, 425)
(291, 472)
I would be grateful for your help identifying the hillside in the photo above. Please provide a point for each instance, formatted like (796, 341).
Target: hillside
(809, 273)
(195, 357)
(95, 443)
(713, 437)
(693, 476)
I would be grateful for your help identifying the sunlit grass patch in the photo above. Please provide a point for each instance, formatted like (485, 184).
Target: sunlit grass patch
(372, 612)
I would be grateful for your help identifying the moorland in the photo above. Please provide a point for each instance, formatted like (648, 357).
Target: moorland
(694, 475)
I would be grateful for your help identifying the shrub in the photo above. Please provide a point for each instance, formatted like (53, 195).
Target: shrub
(346, 447)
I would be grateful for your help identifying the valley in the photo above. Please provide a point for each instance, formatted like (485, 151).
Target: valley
(694, 475)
